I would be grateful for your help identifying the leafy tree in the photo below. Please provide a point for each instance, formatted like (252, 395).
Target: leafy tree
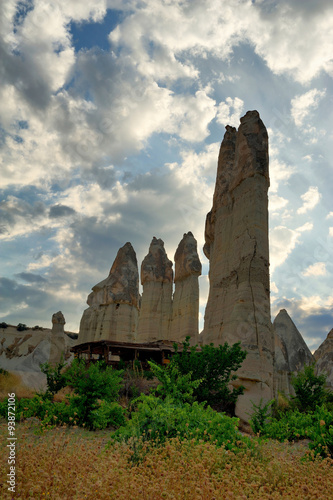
(54, 378)
(92, 385)
(214, 367)
(309, 388)
(178, 386)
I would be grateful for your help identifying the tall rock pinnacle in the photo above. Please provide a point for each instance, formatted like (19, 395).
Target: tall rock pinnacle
(236, 243)
(114, 302)
(291, 352)
(156, 303)
(185, 307)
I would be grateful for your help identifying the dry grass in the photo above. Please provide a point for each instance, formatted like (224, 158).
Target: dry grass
(13, 383)
(73, 464)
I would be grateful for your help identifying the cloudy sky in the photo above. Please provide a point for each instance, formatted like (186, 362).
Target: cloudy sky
(111, 116)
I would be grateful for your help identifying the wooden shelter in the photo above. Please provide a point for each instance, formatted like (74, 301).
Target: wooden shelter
(112, 352)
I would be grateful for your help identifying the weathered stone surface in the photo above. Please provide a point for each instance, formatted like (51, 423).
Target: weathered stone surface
(291, 352)
(236, 235)
(22, 352)
(324, 359)
(156, 302)
(185, 307)
(58, 339)
(114, 302)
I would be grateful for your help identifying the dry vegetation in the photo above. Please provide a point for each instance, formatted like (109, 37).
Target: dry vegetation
(13, 383)
(71, 463)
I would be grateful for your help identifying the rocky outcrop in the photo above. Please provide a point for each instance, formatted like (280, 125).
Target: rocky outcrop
(185, 307)
(156, 303)
(114, 302)
(22, 352)
(58, 340)
(236, 243)
(291, 352)
(324, 359)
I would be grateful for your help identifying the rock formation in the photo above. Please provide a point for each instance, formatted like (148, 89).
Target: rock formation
(236, 235)
(324, 359)
(185, 307)
(58, 341)
(114, 302)
(22, 352)
(156, 303)
(291, 352)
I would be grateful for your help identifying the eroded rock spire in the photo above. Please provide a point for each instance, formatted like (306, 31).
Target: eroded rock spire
(185, 307)
(114, 302)
(156, 303)
(236, 243)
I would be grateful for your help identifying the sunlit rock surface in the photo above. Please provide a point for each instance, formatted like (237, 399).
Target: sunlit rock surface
(185, 307)
(156, 302)
(236, 243)
(114, 302)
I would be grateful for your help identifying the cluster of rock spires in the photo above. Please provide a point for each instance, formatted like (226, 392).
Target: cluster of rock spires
(238, 306)
(117, 312)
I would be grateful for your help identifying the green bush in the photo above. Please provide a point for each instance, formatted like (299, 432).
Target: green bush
(260, 415)
(54, 378)
(214, 367)
(294, 425)
(21, 327)
(174, 384)
(97, 382)
(309, 389)
(107, 415)
(156, 420)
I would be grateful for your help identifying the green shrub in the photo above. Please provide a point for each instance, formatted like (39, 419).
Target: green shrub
(294, 425)
(174, 384)
(259, 416)
(156, 420)
(97, 382)
(54, 378)
(214, 367)
(107, 415)
(309, 389)
(21, 327)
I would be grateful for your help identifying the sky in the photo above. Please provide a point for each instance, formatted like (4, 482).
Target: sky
(111, 117)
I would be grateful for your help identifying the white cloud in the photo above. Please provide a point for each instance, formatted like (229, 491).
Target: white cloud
(330, 231)
(230, 111)
(277, 202)
(279, 172)
(303, 104)
(308, 226)
(281, 241)
(317, 269)
(310, 199)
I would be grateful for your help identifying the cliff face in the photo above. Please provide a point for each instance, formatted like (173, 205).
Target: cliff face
(291, 352)
(324, 359)
(156, 303)
(185, 307)
(114, 302)
(236, 235)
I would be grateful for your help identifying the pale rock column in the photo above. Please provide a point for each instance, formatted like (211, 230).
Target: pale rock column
(236, 235)
(114, 302)
(57, 339)
(291, 352)
(324, 359)
(156, 302)
(185, 307)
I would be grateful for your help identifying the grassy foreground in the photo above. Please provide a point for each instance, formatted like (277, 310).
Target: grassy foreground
(72, 463)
